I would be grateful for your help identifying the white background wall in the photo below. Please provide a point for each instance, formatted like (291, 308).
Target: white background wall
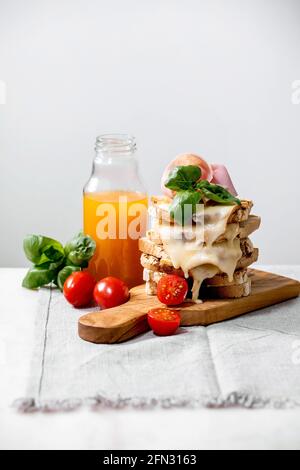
(212, 77)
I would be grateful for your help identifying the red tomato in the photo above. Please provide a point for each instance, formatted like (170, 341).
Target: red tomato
(110, 292)
(163, 321)
(172, 289)
(78, 288)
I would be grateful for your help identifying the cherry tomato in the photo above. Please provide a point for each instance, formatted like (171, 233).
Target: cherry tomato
(78, 288)
(172, 289)
(163, 321)
(110, 292)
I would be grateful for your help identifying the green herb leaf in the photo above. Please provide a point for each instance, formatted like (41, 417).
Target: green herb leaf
(79, 250)
(51, 262)
(84, 264)
(183, 177)
(38, 276)
(39, 249)
(216, 193)
(184, 206)
(64, 273)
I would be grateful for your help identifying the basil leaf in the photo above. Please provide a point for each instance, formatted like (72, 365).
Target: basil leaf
(38, 276)
(39, 249)
(64, 273)
(216, 193)
(183, 206)
(51, 262)
(79, 250)
(84, 264)
(52, 265)
(183, 177)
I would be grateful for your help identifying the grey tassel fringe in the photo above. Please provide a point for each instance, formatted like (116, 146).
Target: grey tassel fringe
(234, 399)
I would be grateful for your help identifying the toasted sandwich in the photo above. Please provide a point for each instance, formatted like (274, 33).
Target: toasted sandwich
(210, 246)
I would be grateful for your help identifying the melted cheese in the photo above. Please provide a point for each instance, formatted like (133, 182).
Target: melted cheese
(200, 273)
(194, 248)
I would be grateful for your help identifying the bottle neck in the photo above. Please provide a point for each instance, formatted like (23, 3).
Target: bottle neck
(115, 165)
(115, 146)
(115, 154)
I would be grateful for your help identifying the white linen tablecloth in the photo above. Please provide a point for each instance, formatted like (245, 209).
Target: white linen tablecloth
(128, 428)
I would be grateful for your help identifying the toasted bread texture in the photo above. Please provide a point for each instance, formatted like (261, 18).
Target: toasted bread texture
(221, 279)
(160, 204)
(245, 229)
(165, 266)
(249, 226)
(151, 248)
(219, 286)
(240, 276)
(247, 260)
(229, 292)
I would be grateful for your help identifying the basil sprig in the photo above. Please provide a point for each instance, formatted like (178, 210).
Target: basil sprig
(190, 191)
(40, 250)
(64, 273)
(183, 178)
(184, 205)
(216, 193)
(79, 250)
(54, 263)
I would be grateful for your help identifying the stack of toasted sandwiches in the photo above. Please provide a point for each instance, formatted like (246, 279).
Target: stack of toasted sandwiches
(213, 250)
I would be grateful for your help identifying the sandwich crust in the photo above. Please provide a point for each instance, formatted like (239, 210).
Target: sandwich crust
(165, 266)
(151, 248)
(245, 229)
(229, 292)
(219, 286)
(240, 212)
(240, 276)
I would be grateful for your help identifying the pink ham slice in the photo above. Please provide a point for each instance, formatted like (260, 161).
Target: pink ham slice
(222, 177)
(186, 159)
(214, 173)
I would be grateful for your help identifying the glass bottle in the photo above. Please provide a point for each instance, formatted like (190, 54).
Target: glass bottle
(115, 209)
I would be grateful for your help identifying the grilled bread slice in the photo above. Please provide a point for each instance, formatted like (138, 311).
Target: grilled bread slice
(165, 266)
(150, 248)
(218, 287)
(160, 205)
(245, 229)
(240, 276)
(249, 226)
(234, 291)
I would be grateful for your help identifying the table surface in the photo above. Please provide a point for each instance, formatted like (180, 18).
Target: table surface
(233, 428)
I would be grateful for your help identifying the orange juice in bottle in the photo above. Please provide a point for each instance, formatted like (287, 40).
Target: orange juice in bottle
(115, 210)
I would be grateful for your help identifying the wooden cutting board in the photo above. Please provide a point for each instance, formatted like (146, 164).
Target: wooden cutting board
(121, 323)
